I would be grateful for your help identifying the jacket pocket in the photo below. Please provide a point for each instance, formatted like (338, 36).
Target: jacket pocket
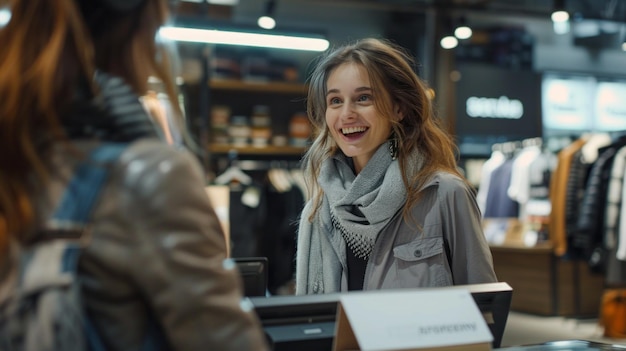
(420, 263)
(420, 249)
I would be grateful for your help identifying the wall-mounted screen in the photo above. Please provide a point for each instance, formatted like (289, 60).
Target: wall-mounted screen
(567, 102)
(610, 106)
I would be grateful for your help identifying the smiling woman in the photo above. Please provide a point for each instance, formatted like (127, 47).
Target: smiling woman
(388, 208)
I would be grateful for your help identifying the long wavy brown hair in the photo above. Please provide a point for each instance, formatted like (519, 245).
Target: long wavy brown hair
(48, 49)
(395, 83)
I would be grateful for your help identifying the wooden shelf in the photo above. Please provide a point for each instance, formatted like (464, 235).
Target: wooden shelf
(251, 150)
(265, 87)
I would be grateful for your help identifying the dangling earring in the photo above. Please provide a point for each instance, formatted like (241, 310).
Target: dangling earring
(393, 147)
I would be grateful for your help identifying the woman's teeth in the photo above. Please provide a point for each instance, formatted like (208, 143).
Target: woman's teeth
(351, 130)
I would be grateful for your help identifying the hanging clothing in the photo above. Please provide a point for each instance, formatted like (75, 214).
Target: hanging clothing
(616, 241)
(278, 234)
(574, 193)
(590, 232)
(558, 191)
(247, 213)
(495, 160)
(519, 185)
(540, 172)
(614, 199)
(499, 204)
(621, 234)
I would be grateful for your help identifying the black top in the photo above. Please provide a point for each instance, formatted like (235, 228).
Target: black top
(356, 270)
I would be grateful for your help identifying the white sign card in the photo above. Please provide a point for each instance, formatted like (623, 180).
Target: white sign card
(410, 320)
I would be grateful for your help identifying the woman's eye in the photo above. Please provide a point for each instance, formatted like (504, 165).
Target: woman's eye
(334, 100)
(364, 98)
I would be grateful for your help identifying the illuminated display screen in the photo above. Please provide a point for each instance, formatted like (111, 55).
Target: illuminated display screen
(610, 106)
(567, 102)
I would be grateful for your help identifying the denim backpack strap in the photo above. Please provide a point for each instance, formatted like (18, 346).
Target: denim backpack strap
(74, 212)
(83, 190)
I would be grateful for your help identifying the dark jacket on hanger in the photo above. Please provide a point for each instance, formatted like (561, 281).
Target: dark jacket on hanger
(590, 230)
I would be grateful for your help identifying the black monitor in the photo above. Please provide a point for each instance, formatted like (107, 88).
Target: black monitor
(253, 272)
(307, 322)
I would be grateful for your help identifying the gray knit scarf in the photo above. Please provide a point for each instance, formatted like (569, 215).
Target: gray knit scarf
(355, 209)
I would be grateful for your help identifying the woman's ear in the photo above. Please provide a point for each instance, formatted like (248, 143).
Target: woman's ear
(398, 113)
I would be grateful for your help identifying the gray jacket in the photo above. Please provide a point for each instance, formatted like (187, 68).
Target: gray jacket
(157, 251)
(450, 248)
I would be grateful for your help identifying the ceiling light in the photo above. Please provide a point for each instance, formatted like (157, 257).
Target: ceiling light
(560, 16)
(463, 32)
(215, 36)
(449, 42)
(559, 13)
(267, 21)
(560, 22)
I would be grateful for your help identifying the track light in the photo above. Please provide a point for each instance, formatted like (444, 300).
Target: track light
(560, 18)
(463, 31)
(267, 21)
(449, 42)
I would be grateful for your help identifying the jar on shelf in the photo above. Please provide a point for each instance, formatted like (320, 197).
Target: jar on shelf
(280, 140)
(220, 116)
(299, 130)
(261, 122)
(239, 131)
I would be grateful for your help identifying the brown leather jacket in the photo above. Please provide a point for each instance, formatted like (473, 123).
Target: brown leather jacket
(157, 251)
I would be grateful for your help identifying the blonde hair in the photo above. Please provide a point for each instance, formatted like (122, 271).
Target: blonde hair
(394, 83)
